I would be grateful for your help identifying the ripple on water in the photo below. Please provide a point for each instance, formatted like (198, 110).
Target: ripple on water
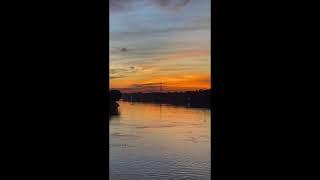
(169, 166)
(145, 147)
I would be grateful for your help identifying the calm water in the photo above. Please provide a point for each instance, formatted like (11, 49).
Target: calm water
(152, 141)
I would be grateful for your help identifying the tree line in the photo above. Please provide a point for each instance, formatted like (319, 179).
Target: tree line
(199, 98)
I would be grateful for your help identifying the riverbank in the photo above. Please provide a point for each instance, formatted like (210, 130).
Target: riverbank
(199, 98)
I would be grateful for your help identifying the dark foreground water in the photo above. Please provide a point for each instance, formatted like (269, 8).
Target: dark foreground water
(152, 141)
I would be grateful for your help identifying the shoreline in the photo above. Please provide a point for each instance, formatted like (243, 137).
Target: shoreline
(166, 103)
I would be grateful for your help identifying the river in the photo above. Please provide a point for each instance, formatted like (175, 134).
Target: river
(153, 141)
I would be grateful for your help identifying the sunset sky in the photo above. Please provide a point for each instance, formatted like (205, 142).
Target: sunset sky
(159, 41)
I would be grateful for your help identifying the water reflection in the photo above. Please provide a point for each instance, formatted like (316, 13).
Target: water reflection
(153, 141)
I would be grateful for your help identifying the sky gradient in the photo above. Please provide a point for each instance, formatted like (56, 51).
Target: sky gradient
(159, 41)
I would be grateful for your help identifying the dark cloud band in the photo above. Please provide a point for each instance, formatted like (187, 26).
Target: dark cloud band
(124, 5)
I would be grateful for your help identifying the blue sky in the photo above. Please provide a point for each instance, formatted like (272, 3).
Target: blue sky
(154, 41)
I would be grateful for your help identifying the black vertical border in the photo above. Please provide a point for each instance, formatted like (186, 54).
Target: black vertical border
(217, 85)
(107, 145)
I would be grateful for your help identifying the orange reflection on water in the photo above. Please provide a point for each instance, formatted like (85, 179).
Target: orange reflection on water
(160, 137)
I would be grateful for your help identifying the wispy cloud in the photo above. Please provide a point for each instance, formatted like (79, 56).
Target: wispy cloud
(116, 73)
(170, 4)
(116, 76)
(120, 5)
(147, 85)
(153, 41)
(125, 5)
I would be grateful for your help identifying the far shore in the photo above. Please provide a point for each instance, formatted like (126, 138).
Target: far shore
(200, 98)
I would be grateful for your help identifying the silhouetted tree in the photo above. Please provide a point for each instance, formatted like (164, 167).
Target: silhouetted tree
(200, 98)
(114, 95)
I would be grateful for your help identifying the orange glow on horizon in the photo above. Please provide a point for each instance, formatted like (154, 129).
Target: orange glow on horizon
(177, 83)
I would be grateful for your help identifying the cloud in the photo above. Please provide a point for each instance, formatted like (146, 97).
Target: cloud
(119, 5)
(146, 85)
(135, 90)
(125, 5)
(116, 76)
(123, 49)
(118, 50)
(123, 70)
(116, 73)
(170, 4)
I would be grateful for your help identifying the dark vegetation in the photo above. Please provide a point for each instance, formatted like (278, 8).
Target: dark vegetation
(200, 98)
(115, 95)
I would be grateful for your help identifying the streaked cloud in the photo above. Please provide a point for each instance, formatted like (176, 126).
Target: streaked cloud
(124, 5)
